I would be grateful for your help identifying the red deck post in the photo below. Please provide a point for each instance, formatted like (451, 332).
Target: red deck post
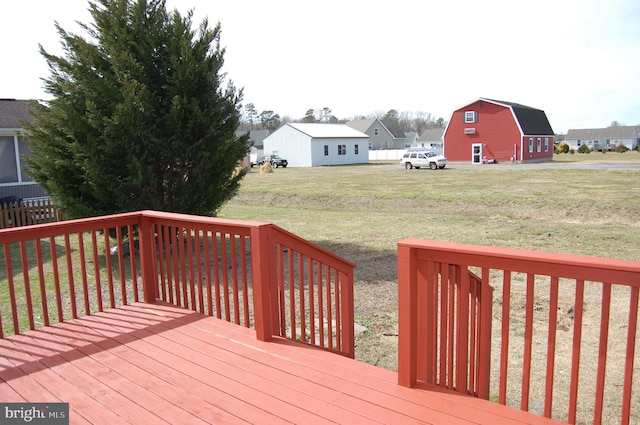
(348, 331)
(147, 257)
(264, 280)
(407, 316)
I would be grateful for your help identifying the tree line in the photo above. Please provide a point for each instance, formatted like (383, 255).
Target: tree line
(408, 121)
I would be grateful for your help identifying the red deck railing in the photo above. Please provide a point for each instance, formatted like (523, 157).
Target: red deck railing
(253, 274)
(557, 336)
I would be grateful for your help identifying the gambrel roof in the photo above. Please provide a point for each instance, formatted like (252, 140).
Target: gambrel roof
(532, 121)
(13, 111)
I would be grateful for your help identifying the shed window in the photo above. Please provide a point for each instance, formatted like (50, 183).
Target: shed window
(530, 144)
(546, 144)
(470, 116)
(355, 149)
(342, 149)
(326, 150)
(539, 144)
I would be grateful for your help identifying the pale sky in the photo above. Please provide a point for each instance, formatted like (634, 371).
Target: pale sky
(578, 60)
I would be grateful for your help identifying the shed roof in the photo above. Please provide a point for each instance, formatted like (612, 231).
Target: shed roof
(620, 132)
(13, 111)
(532, 121)
(324, 131)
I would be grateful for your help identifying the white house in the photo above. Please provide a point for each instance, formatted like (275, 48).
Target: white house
(604, 138)
(312, 144)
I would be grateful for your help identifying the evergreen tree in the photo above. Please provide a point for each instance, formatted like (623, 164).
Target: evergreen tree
(139, 117)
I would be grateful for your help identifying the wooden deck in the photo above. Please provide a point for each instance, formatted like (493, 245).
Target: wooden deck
(155, 363)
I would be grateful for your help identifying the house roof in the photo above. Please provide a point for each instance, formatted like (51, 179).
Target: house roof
(392, 126)
(362, 125)
(324, 131)
(431, 135)
(255, 136)
(13, 111)
(532, 121)
(621, 132)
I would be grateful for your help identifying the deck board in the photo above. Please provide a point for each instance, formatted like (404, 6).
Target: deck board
(154, 363)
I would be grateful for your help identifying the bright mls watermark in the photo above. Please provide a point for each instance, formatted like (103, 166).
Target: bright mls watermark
(34, 413)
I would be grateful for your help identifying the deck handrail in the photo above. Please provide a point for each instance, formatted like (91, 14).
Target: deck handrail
(530, 355)
(232, 269)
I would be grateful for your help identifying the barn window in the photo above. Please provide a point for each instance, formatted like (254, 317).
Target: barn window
(539, 144)
(530, 144)
(326, 150)
(342, 149)
(546, 144)
(470, 116)
(355, 149)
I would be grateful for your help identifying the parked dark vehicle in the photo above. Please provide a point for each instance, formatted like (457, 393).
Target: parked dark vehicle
(13, 201)
(275, 160)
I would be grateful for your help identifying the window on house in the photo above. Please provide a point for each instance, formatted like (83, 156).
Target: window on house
(342, 149)
(370, 146)
(326, 150)
(13, 167)
(530, 144)
(546, 144)
(376, 131)
(539, 144)
(355, 149)
(470, 116)
(8, 167)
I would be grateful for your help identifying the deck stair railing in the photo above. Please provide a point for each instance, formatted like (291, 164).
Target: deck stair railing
(253, 274)
(548, 333)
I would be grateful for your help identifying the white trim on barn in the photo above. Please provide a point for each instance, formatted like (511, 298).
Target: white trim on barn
(312, 144)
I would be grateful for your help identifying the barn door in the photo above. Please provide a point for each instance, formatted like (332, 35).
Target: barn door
(476, 153)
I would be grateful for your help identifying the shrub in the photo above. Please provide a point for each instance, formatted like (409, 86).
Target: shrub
(621, 148)
(565, 148)
(584, 149)
(572, 151)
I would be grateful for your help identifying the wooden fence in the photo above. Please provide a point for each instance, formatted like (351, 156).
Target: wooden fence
(28, 212)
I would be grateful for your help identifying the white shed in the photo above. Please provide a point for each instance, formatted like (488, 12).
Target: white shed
(312, 145)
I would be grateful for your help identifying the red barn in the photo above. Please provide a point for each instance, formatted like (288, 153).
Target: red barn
(494, 131)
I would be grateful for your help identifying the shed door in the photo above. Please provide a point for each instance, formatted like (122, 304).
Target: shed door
(476, 153)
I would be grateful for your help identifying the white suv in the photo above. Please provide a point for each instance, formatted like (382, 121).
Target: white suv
(423, 159)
